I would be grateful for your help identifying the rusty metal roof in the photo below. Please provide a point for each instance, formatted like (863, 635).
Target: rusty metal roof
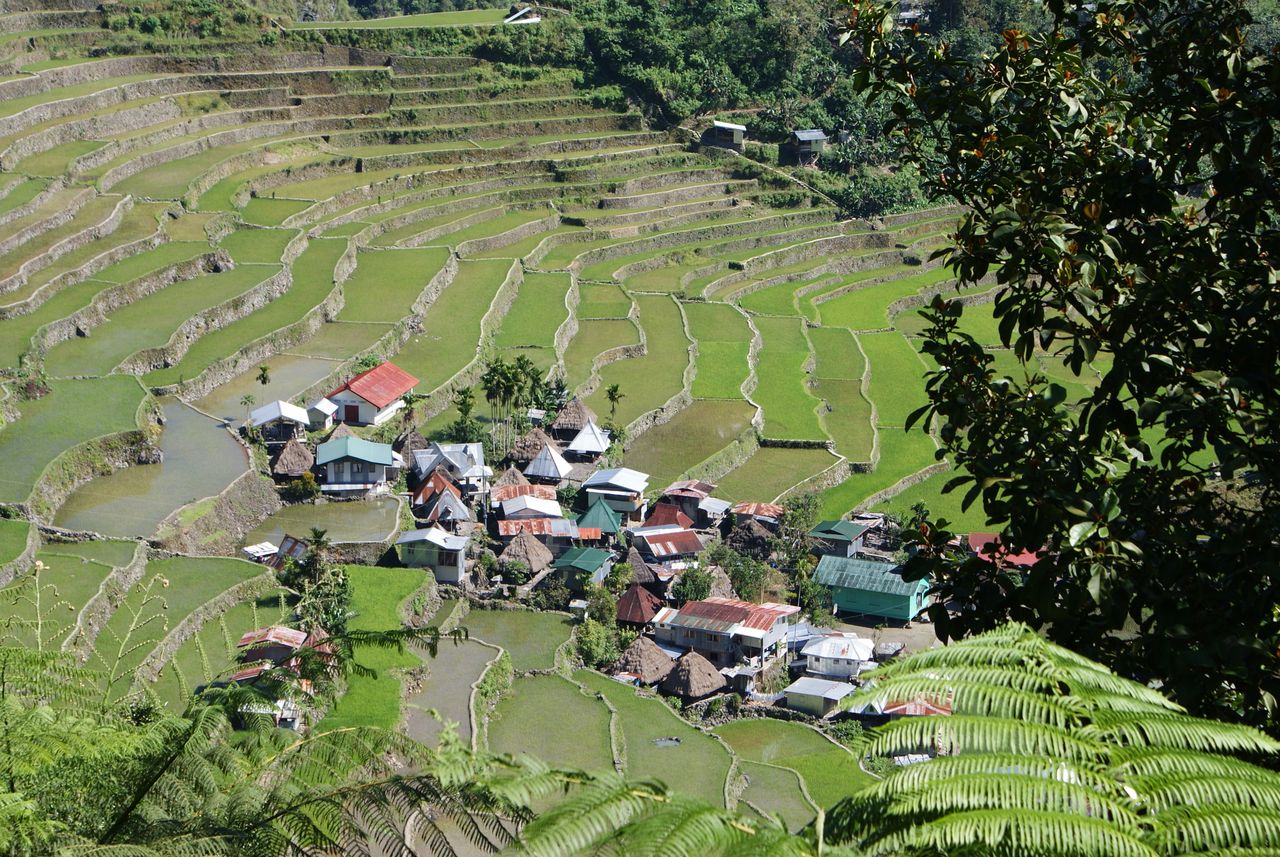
(379, 386)
(273, 634)
(677, 543)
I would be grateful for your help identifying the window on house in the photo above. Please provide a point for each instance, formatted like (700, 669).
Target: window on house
(357, 467)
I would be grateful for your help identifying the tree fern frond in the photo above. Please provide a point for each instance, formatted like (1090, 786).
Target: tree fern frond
(969, 734)
(681, 827)
(1021, 833)
(973, 698)
(1176, 730)
(593, 814)
(1012, 792)
(1168, 792)
(1143, 762)
(1202, 829)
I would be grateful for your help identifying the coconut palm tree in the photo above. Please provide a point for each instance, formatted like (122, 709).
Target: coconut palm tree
(615, 395)
(1044, 752)
(264, 374)
(247, 401)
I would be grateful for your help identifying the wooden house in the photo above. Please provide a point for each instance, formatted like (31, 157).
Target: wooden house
(373, 396)
(638, 606)
(583, 566)
(807, 146)
(726, 135)
(838, 538)
(463, 462)
(871, 588)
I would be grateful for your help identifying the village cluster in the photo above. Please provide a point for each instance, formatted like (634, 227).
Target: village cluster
(691, 649)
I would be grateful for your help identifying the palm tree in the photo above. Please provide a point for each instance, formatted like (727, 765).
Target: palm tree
(247, 401)
(465, 401)
(1045, 753)
(614, 394)
(264, 374)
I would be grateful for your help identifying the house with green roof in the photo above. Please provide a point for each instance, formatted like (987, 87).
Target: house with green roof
(871, 588)
(582, 567)
(838, 538)
(603, 517)
(353, 465)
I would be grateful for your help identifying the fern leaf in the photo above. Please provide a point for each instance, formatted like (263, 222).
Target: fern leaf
(1014, 833)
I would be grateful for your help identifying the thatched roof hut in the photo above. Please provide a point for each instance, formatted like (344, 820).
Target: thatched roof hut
(408, 443)
(340, 431)
(526, 549)
(721, 585)
(692, 677)
(640, 571)
(573, 417)
(638, 606)
(293, 460)
(511, 476)
(526, 449)
(645, 660)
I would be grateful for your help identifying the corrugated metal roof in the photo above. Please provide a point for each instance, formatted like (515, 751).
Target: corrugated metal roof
(863, 574)
(354, 447)
(381, 385)
(601, 515)
(809, 135)
(274, 634)
(678, 543)
(729, 126)
(665, 514)
(989, 546)
(510, 492)
(586, 560)
(622, 478)
(557, 527)
(842, 531)
(833, 690)
(758, 510)
(694, 488)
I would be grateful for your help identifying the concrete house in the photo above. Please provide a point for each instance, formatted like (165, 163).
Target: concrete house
(444, 553)
(726, 631)
(622, 488)
(320, 415)
(353, 465)
(838, 656)
(372, 397)
(818, 697)
(838, 538)
(871, 588)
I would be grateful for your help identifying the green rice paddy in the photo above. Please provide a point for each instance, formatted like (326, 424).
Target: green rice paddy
(550, 699)
(530, 638)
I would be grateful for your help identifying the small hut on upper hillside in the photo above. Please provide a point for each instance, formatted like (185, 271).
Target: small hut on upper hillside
(644, 660)
(293, 460)
(510, 476)
(638, 606)
(692, 677)
(573, 417)
(528, 551)
(526, 449)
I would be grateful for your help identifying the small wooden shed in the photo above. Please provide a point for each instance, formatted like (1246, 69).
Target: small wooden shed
(808, 145)
(726, 135)
(871, 588)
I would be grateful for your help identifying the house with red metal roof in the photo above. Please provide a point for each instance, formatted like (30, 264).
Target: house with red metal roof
(727, 631)
(769, 514)
(990, 547)
(373, 396)
(667, 545)
(668, 515)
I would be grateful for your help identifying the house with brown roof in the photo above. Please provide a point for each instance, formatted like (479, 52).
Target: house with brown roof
(669, 546)
(643, 662)
(373, 396)
(638, 606)
(768, 514)
(668, 515)
(573, 418)
(439, 501)
(727, 631)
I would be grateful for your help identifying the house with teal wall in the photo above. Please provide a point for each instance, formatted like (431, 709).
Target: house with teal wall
(871, 588)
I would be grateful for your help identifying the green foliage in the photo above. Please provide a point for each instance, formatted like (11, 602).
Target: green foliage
(301, 489)
(597, 644)
(326, 601)
(1128, 221)
(694, 585)
(848, 732)
(601, 605)
(552, 594)
(747, 574)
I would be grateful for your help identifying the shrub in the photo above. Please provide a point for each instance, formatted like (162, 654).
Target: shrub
(301, 489)
(597, 644)
(847, 732)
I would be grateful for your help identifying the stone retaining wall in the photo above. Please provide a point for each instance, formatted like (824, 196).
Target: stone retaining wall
(162, 654)
(60, 217)
(99, 609)
(726, 459)
(83, 272)
(23, 561)
(486, 131)
(903, 484)
(32, 205)
(829, 478)
(626, 218)
(110, 299)
(568, 328)
(71, 243)
(50, 20)
(511, 236)
(520, 151)
(477, 93)
(204, 322)
(215, 528)
(428, 235)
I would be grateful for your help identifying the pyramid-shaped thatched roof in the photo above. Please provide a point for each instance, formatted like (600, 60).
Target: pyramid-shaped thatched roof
(528, 447)
(638, 605)
(340, 431)
(510, 476)
(643, 658)
(525, 548)
(573, 417)
(640, 570)
(294, 460)
(692, 677)
(408, 443)
(721, 585)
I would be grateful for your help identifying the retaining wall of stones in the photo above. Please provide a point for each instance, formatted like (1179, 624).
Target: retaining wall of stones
(23, 561)
(657, 198)
(58, 218)
(32, 205)
(99, 609)
(489, 243)
(486, 131)
(71, 243)
(216, 528)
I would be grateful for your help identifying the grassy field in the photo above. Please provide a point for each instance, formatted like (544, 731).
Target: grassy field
(724, 340)
(790, 410)
(867, 308)
(312, 282)
(829, 771)
(648, 382)
(530, 638)
(376, 595)
(56, 422)
(248, 246)
(771, 471)
(13, 538)
(595, 336)
(539, 309)
(465, 18)
(698, 766)
(112, 552)
(386, 283)
(691, 437)
(776, 792)
(940, 505)
(519, 724)
(447, 341)
(150, 321)
(897, 376)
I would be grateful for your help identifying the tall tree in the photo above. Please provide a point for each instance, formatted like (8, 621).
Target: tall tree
(615, 395)
(1119, 176)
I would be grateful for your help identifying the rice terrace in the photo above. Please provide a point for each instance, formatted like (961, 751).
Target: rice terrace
(409, 315)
